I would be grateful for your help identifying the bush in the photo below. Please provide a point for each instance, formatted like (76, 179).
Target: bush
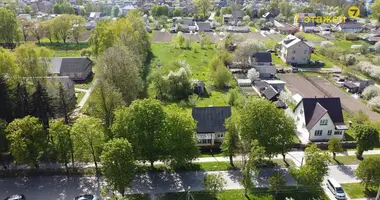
(374, 102)
(327, 44)
(246, 18)
(371, 92)
(352, 37)
(370, 69)
(349, 59)
(251, 24)
(377, 47)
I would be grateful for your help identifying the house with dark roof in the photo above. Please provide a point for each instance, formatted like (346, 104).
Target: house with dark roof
(357, 86)
(321, 117)
(203, 26)
(260, 58)
(295, 51)
(78, 69)
(270, 93)
(210, 124)
(349, 27)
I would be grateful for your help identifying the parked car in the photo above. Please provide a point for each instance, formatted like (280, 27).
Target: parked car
(16, 197)
(281, 70)
(173, 30)
(270, 51)
(319, 63)
(335, 189)
(86, 197)
(294, 69)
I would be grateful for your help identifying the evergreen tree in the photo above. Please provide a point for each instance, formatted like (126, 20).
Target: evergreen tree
(63, 105)
(41, 105)
(22, 101)
(5, 101)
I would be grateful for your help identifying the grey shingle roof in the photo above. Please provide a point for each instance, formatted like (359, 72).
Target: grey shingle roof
(211, 119)
(315, 108)
(270, 93)
(69, 65)
(262, 57)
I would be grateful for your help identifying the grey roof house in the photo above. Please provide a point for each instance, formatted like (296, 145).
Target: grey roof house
(260, 58)
(210, 124)
(78, 69)
(266, 71)
(357, 86)
(203, 26)
(322, 118)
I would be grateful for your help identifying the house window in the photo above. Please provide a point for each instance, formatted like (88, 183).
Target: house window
(318, 133)
(301, 111)
(323, 122)
(337, 132)
(220, 135)
(205, 141)
(305, 52)
(294, 51)
(329, 132)
(292, 58)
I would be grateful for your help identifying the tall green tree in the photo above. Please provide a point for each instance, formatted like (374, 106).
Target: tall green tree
(5, 101)
(4, 144)
(62, 26)
(88, 139)
(116, 11)
(335, 146)
(22, 102)
(118, 164)
(78, 27)
(120, 68)
(9, 26)
(28, 140)
(312, 173)
(63, 105)
(32, 61)
(367, 137)
(369, 172)
(204, 6)
(182, 142)
(277, 182)
(42, 105)
(231, 144)
(143, 124)
(214, 184)
(106, 100)
(62, 143)
(255, 158)
(375, 7)
(253, 124)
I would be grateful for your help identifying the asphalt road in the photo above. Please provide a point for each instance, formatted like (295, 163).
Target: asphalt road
(59, 187)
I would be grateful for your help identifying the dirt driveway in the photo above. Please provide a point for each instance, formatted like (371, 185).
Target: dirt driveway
(349, 103)
(299, 85)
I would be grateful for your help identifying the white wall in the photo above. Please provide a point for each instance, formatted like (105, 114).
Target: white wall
(300, 116)
(300, 57)
(325, 128)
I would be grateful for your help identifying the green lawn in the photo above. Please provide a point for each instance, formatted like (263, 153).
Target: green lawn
(79, 96)
(253, 29)
(165, 54)
(356, 190)
(277, 60)
(328, 62)
(254, 194)
(270, 43)
(345, 44)
(313, 37)
(350, 160)
(208, 154)
(67, 54)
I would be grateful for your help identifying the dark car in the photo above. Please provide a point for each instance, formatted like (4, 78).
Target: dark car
(271, 51)
(281, 70)
(294, 69)
(16, 197)
(86, 197)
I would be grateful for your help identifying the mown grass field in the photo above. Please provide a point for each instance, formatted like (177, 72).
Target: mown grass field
(356, 190)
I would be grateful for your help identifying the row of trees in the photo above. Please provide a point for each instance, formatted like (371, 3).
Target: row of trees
(59, 28)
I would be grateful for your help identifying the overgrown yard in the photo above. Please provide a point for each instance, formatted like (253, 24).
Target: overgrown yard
(313, 37)
(255, 193)
(356, 190)
(164, 56)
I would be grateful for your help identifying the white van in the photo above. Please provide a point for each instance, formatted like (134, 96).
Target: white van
(335, 188)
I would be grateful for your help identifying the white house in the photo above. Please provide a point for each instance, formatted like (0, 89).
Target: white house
(295, 51)
(210, 124)
(321, 117)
